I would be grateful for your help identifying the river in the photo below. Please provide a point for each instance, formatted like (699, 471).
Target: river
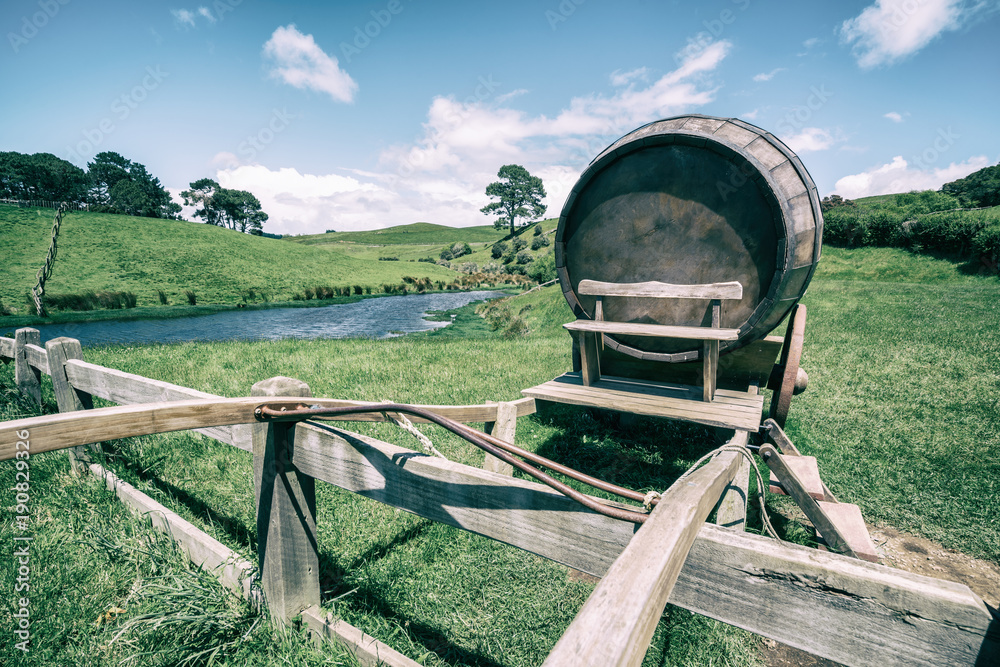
(382, 317)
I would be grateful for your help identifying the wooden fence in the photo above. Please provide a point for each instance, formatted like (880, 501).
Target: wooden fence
(47, 203)
(844, 609)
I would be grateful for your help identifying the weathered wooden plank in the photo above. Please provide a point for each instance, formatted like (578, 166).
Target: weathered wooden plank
(795, 488)
(27, 379)
(234, 571)
(729, 409)
(285, 497)
(369, 651)
(615, 625)
(58, 352)
(590, 365)
(655, 330)
(6, 349)
(504, 428)
(729, 290)
(732, 508)
(844, 609)
(37, 358)
(126, 388)
(600, 396)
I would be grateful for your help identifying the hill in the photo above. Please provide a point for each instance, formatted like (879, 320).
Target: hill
(424, 233)
(100, 251)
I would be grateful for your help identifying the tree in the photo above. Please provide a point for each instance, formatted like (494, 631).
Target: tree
(202, 194)
(520, 196)
(127, 187)
(978, 189)
(40, 176)
(236, 209)
(242, 211)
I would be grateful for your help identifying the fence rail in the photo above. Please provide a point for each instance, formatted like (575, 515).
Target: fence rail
(47, 203)
(844, 609)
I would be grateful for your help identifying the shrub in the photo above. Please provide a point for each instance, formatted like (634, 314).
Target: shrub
(390, 259)
(446, 254)
(843, 227)
(492, 268)
(130, 299)
(308, 293)
(524, 257)
(543, 269)
(4, 310)
(358, 289)
(883, 228)
(538, 230)
(519, 244)
(539, 241)
(368, 289)
(191, 297)
(509, 257)
(445, 263)
(460, 250)
(427, 259)
(950, 233)
(163, 296)
(986, 244)
(498, 250)
(468, 267)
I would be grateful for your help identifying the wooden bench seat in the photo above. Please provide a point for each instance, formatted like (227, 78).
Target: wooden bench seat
(728, 409)
(589, 333)
(652, 330)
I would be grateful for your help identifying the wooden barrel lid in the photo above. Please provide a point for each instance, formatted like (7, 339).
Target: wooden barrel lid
(690, 200)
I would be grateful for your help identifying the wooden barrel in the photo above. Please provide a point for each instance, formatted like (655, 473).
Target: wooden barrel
(691, 200)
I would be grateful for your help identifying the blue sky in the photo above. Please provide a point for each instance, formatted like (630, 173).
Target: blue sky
(358, 115)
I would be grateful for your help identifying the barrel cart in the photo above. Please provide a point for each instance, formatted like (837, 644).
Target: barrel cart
(681, 248)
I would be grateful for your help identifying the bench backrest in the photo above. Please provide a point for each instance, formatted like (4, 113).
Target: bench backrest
(654, 289)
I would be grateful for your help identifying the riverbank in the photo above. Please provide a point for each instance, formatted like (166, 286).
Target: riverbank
(11, 322)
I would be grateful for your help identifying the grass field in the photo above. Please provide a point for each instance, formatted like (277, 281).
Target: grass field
(99, 251)
(901, 412)
(421, 233)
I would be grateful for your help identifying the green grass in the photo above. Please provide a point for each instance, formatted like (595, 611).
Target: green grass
(99, 251)
(901, 413)
(421, 233)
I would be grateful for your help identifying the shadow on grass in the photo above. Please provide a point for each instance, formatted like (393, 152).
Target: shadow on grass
(231, 526)
(334, 579)
(634, 452)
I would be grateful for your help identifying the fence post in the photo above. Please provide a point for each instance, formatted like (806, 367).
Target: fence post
(286, 512)
(27, 377)
(59, 351)
(503, 428)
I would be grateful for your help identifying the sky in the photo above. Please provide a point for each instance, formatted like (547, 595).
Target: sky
(362, 115)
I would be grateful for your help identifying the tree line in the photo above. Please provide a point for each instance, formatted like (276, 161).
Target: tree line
(114, 184)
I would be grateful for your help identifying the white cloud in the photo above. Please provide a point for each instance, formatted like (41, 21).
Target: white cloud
(619, 78)
(811, 139)
(511, 95)
(300, 62)
(183, 16)
(207, 13)
(891, 30)
(899, 176)
(441, 177)
(767, 76)
(750, 115)
(894, 116)
(811, 42)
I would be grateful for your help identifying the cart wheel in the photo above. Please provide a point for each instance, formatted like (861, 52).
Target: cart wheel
(791, 354)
